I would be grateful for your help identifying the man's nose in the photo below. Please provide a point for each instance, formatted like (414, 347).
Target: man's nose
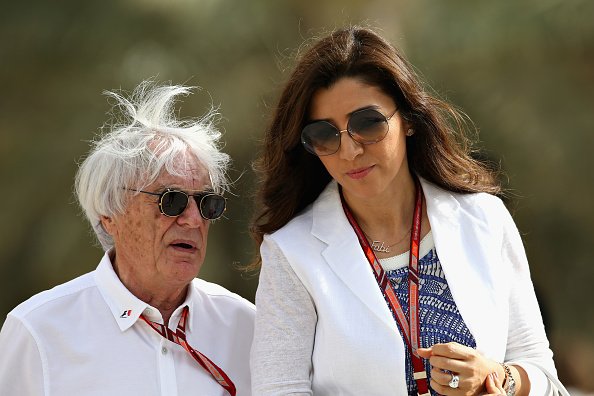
(191, 215)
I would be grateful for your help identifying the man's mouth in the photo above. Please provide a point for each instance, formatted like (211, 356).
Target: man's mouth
(185, 245)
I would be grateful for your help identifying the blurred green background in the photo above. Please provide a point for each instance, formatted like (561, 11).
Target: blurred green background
(523, 71)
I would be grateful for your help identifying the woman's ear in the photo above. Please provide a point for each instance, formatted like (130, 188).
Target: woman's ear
(407, 123)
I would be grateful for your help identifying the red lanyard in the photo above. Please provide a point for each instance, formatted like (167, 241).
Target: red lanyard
(410, 331)
(179, 337)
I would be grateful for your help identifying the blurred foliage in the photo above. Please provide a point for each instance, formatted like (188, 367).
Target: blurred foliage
(523, 71)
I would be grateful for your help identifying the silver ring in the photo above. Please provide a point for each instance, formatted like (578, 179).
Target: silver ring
(454, 382)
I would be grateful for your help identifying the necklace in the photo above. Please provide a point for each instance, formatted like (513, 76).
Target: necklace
(381, 246)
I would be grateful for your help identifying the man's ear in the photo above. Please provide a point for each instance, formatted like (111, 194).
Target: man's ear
(108, 225)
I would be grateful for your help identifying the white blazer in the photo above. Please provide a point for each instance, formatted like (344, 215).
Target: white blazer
(323, 326)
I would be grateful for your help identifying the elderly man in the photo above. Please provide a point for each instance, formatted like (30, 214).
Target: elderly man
(141, 323)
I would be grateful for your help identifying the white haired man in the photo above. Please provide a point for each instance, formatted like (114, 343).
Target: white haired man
(141, 323)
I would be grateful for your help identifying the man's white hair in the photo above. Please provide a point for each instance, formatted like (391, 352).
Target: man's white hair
(144, 140)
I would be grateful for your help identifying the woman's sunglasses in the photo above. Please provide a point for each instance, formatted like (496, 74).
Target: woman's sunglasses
(366, 126)
(172, 203)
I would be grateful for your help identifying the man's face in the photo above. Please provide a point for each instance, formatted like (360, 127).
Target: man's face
(154, 252)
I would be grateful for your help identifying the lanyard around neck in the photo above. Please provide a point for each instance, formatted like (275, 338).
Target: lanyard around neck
(410, 329)
(179, 337)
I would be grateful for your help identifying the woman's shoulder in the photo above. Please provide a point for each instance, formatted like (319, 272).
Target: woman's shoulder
(479, 205)
(296, 232)
(298, 224)
(300, 227)
(481, 200)
(464, 198)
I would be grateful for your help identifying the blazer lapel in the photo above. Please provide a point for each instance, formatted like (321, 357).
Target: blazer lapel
(463, 244)
(344, 254)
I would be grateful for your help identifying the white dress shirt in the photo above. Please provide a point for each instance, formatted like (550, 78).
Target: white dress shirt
(85, 337)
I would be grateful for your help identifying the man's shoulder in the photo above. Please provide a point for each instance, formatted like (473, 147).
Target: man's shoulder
(218, 294)
(61, 294)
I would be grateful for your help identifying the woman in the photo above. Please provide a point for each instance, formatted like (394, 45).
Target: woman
(360, 167)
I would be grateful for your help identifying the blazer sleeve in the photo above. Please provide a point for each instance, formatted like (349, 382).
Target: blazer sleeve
(281, 356)
(527, 343)
(21, 371)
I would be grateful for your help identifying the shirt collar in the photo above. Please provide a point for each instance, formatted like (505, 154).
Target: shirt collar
(125, 307)
(191, 296)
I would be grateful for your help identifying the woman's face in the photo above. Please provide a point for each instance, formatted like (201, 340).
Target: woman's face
(365, 172)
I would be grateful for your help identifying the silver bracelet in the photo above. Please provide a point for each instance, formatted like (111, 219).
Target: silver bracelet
(509, 382)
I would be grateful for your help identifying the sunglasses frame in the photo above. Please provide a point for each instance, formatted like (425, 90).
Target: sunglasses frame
(348, 130)
(201, 195)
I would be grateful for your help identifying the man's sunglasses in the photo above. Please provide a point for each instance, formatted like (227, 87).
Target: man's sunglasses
(366, 126)
(172, 203)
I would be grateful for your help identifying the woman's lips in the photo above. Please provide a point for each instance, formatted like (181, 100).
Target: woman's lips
(359, 173)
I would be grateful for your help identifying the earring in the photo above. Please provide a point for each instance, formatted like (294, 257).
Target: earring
(410, 132)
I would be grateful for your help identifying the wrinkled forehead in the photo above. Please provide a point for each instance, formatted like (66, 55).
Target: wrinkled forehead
(186, 173)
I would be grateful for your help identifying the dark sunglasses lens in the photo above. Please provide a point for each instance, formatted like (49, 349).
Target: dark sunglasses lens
(320, 138)
(368, 126)
(212, 206)
(173, 203)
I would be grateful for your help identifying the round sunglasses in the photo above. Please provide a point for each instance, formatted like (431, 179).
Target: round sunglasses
(365, 126)
(172, 203)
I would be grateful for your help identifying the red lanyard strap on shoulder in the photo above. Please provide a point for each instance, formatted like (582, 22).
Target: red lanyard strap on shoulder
(410, 330)
(179, 337)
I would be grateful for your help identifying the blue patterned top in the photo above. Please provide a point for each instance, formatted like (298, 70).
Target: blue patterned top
(439, 317)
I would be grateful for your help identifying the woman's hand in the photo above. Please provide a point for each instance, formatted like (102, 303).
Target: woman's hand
(471, 368)
(494, 385)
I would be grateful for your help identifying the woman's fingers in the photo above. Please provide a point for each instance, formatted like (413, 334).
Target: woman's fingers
(425, 353)
(453, 350)
(450, 364)
(443, 377)
(451, 356)
(494, 385)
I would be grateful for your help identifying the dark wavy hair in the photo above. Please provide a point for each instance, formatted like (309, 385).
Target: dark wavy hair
(290, 178)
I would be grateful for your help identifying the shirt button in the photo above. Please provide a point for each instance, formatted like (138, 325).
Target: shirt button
(147, 311)
(164, 351)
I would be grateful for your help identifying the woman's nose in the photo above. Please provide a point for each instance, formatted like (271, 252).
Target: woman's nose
(349, 147)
